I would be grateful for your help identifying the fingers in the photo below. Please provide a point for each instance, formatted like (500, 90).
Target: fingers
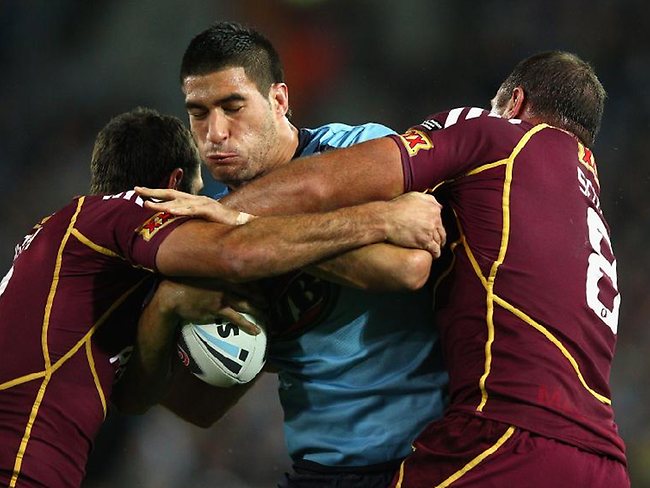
(170, 207)
(434, 249)
(157, 193)
(417, 223)
(164, 200)
(244, 305)
(239, 320)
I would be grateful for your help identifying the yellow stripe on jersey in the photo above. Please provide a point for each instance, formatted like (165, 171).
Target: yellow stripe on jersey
(22, 379)
(28, 431)
(98, 385)
(469, 173)
(85, 340)
(505, 237)
(55, 282)
(557, 343)
(530, 321)
(95, 247)
(400, 477)
(485, 167)
(478, 459)
(488, 284)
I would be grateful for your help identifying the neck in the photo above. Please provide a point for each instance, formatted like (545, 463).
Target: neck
(288, 142)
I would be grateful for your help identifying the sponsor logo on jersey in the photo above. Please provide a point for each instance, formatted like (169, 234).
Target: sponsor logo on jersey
(415, 140)
(301, 301)
(154, 224)
(431, 124)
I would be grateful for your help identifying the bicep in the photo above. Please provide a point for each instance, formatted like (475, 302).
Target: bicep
(378, 267)
(368, 171)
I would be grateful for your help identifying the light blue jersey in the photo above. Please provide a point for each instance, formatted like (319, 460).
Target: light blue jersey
(360, 373)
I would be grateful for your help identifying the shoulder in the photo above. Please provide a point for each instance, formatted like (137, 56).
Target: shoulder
(110, 214)
(343, 135)
(124, 201)
(465, 127)
(470, 117)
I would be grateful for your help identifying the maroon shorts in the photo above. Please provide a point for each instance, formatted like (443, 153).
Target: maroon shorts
(463, 451)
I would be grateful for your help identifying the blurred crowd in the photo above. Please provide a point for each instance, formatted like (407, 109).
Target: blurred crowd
(70, 65)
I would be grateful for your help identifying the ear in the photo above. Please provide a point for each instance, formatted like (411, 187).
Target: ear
(279, 98)
(175, 179)
(516, 104)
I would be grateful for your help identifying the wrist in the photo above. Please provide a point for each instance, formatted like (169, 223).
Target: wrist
(375, 219)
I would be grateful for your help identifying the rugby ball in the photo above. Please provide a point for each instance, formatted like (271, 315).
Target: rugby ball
(222, 354)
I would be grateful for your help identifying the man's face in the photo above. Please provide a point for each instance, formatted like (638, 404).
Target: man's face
(234, 125)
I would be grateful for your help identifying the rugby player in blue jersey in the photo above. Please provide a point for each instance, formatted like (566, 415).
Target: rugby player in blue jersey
(359, 372)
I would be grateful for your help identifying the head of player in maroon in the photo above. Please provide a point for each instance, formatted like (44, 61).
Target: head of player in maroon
(557, 88)
(144, 145)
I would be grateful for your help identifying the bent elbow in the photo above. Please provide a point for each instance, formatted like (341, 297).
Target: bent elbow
(414, 272)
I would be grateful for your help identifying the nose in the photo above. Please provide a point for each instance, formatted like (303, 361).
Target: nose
(217, 127)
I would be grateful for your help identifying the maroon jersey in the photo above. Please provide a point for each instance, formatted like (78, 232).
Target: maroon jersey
(68, 313)
(529, 310)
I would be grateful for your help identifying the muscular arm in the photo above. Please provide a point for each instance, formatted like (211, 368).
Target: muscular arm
(378, 267)
(199, 403)
(147, 372)
(273, 245)
(368, 171)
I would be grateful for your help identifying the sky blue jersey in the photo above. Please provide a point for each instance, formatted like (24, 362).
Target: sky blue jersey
(360, 374)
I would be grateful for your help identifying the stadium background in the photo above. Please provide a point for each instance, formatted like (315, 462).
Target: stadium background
(68, 66)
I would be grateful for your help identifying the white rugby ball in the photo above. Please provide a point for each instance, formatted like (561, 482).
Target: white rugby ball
(222, 354)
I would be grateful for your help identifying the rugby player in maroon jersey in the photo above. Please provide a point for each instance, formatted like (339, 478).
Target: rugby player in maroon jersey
(70, 303)
(528, 308)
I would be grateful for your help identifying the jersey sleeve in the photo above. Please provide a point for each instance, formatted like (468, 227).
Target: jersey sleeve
(144, 241)
(121, 225)
(363, 133)
(448, 145)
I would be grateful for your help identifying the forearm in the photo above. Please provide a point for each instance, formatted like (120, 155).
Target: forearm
(269, 246)
(378, 267)
(197, 402)
(361, 173)
(147, 374)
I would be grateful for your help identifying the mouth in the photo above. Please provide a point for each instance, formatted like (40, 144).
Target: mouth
(221, 157)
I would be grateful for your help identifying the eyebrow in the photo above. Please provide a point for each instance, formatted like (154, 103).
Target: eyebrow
(234, 97)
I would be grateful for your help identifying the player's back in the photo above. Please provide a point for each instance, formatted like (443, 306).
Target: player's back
(68, 308)
(529, 312)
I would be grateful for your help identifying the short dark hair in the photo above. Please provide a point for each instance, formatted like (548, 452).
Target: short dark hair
(142, 147)
(562, 89)
(229, 44)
